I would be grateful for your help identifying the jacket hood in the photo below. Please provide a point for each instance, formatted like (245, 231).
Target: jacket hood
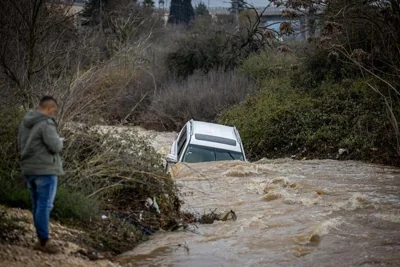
(33, 117)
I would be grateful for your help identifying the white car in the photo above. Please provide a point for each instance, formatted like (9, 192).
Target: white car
(202, 142)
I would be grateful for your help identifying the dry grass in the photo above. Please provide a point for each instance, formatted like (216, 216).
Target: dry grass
(200, 96)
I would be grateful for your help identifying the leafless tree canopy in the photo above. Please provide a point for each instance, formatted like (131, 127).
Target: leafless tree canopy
(35, 36)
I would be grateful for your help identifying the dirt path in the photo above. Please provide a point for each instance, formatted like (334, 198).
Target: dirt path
(18, 237)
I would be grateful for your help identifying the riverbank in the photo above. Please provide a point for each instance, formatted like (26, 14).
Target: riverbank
(78, 247)
(108, 202)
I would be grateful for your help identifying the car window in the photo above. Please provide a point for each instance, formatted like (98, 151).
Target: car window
(204, 154)
(181, 141)
(227, 155)
(199, 154)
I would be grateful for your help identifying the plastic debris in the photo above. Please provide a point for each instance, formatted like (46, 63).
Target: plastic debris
(141, 216)
(148, 203)
(152, 203)
(155, 205)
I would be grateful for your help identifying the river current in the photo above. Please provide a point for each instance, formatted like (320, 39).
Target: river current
(289, 213)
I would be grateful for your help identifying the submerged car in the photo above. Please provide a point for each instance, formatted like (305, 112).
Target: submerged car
(203, 141)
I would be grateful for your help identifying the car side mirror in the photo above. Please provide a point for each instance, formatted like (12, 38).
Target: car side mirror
(171, 158)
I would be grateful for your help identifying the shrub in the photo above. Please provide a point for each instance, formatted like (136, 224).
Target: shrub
(13, 190)
(109, 173)
(117, 235)
(116, 170)
(121, 170)
(14, 193)
(320, 66)
(269, 64)
(106, 93)
(202, 52)
(10, 119)
(200, 96)
(70, 205)
(281, 121)
(274, 122)
(214, 44)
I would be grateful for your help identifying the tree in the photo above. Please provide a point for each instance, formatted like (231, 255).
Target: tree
(365, 35)
(35, 39)
(122, 21)
(201, 10)
(93, 10)
(181, 12)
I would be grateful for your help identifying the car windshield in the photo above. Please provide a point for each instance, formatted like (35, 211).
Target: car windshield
(203, 154)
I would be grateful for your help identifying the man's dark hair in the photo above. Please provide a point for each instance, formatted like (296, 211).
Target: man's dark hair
(46, 99)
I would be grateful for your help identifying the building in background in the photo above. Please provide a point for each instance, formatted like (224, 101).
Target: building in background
(73, 8)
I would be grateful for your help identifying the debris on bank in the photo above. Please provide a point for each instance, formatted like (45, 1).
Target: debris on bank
(17, 238)
(78, 247)
(209, 218)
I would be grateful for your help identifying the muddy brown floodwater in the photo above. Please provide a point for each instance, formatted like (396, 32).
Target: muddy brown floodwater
(289, 213)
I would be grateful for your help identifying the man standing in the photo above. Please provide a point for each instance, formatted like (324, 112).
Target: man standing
(40, 145)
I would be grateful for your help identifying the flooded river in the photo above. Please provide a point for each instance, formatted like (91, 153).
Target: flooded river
(289, 213)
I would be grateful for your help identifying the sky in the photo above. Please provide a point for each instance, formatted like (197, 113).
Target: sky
(211, 3)
(227, 3)
(219, 3)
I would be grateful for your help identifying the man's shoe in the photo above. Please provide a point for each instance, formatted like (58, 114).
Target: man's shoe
(49, 247)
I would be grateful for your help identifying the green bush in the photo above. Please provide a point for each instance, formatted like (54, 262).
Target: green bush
(321, 66)
(274, 122)
(75, 205)
(14, 193)
(10, 120)
(68, 205)
(282, 120)
(112, 234)
(13, 189)
(269, 64)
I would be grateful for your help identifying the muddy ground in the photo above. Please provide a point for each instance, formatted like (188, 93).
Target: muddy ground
(17, 238)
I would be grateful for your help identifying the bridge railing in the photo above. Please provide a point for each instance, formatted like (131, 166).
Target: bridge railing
(271, 11)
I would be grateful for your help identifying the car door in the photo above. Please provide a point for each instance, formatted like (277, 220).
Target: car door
(181, 142)
(176, 149)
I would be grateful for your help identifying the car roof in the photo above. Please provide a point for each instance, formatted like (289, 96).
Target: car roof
(214, 135)
(200, 127)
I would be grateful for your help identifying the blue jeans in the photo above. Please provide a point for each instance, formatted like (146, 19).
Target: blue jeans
(43, 191)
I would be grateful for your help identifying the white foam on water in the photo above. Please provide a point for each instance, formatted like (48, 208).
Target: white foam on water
(242, 171)
(256, 185)
(390, 217)
(356, 201)
(315, 233)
